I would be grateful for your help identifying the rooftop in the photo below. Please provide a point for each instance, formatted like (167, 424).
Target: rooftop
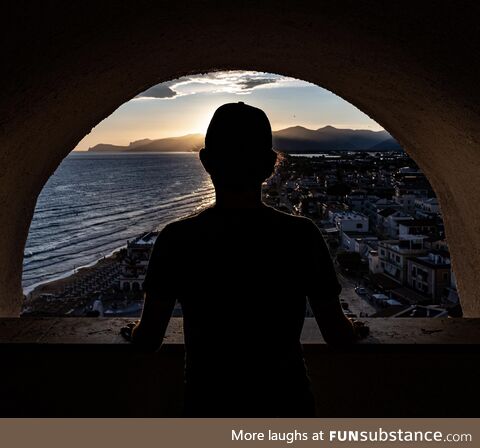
(147, 239)
(387, 211)
(432, 262)
(349, 215)
(417, 222)
(360, 235)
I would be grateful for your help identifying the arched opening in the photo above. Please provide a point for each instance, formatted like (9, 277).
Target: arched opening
(122, 182)
(409, 66)
(402, 86)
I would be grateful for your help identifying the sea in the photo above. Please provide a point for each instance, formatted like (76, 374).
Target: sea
(94, 203)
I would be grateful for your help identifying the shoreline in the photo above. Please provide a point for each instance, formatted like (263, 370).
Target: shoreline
(56, 285)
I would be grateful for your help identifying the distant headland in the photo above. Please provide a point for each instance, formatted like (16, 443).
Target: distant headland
(295, 139)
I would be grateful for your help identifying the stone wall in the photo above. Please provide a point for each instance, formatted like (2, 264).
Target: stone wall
(411, 66)
(81, 367)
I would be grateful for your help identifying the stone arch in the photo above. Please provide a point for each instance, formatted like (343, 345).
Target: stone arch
(407, 66)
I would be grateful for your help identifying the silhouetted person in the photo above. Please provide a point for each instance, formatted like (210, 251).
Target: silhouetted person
(242, 272)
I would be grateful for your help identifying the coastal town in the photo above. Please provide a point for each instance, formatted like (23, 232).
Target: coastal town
(376, 211)
(383, 226)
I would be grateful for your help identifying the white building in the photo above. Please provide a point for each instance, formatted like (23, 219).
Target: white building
(390, 225)
(134, 265)
(357, 200)
(374, 265)
(417, 227)
(406, 201)
(425, 207)
(349, 221)
(357, 242)
(430, 274)
(377, 210)
(409, 188)
(394, 255)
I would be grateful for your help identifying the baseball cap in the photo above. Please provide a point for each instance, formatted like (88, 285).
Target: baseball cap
(238, 127)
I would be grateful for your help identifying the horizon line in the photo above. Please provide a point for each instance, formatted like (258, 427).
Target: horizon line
(203, 133)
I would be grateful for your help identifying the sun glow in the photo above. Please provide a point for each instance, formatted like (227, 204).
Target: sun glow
(186, 105)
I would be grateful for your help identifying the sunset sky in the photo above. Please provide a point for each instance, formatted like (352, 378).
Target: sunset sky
(185, 106)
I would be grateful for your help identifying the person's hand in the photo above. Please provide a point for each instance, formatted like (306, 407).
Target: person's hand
(361, 330)
(126, 331)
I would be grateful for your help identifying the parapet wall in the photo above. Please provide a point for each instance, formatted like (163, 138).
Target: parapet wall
(81, 367)
(411, 66)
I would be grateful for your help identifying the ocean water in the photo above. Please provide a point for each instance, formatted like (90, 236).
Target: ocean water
(94, 203)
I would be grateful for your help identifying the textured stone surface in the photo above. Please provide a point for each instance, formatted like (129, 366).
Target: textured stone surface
(385, 331)
(412, 66)
(80, 367)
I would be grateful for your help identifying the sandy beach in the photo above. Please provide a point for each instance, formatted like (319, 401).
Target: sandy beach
(73, 289)
(57, 286)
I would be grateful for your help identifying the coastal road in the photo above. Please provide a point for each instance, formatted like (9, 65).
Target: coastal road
(356, 304)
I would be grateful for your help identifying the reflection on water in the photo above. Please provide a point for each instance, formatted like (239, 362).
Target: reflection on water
(95, 202)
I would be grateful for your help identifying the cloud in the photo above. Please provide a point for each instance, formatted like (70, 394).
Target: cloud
(236, 81)
(251, 83)
(233, 82)
(161, 91)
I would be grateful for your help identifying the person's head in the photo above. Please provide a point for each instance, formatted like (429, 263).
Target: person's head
(238, 150)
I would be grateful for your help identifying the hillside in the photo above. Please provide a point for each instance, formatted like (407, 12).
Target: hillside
(390, 144)
(328, 138)
(296, 139)
(186, 143)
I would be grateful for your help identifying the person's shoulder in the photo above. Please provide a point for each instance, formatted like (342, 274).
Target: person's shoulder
(299, 222)
(186, 223)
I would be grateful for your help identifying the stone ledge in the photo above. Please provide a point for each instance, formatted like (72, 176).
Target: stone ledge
(81, 367)
(105, 331)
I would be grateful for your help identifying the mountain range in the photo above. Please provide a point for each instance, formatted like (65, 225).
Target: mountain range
(295, 139)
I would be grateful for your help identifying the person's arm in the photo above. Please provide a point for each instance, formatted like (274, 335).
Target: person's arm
(150, 330)
(336, 328)
(159, 298)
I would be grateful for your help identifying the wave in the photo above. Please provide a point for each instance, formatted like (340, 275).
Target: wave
(140, 209)
(93, 205)
(112, 220)
(80, 209)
